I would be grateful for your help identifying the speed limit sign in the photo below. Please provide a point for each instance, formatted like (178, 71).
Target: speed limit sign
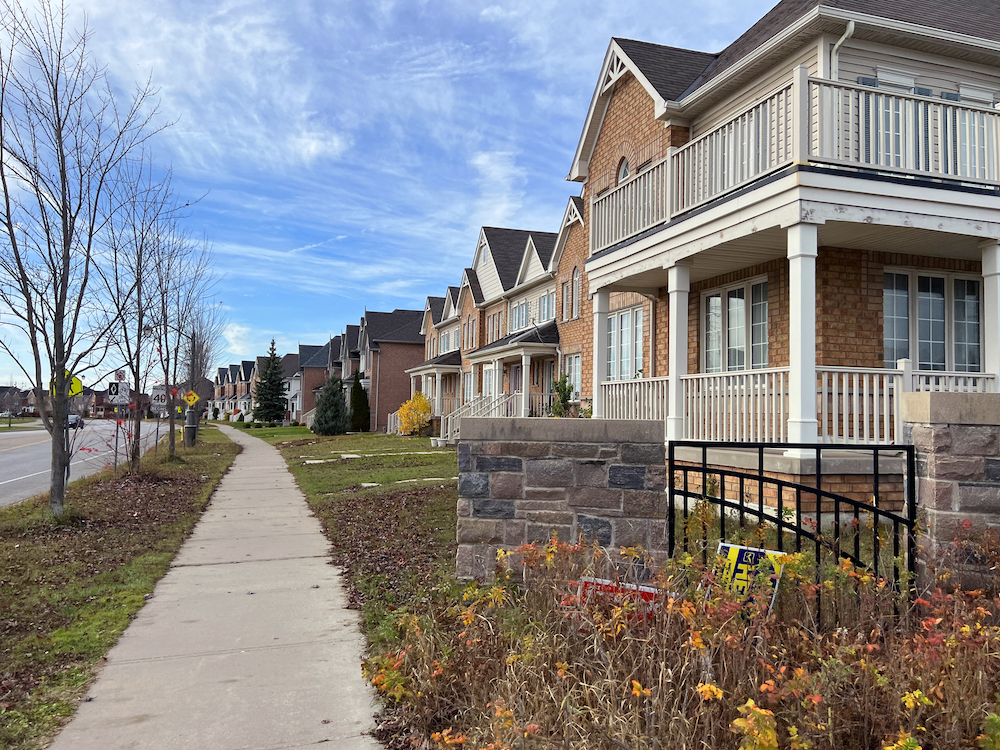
(158, 397)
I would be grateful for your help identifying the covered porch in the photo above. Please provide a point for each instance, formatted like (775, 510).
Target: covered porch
(805, 332)
(439, 379)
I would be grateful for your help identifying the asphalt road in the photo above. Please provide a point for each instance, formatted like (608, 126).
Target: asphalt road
(26, 456)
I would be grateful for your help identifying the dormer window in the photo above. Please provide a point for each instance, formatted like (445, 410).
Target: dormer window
(624, 171)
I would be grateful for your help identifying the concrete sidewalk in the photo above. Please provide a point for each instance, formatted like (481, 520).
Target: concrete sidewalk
(246, 643)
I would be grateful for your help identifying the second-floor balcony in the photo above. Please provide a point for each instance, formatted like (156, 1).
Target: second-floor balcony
(806, 120)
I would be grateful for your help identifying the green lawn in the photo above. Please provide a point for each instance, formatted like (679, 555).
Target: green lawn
(69, 588)
(395, 540)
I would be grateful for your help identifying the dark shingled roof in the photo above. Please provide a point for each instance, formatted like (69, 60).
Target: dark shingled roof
(545, 244)
(436, 305)
(234, 372)
(670, 70)
(333, 349)
(578, 202)
(399, 326)
(320, 358)
(220, 375)
(546, 333)
(289, 365)
(247, 369)
(675, 72)
(507, 248)
(474, 287)
(448, 359)
(306, 353)
(351, 333)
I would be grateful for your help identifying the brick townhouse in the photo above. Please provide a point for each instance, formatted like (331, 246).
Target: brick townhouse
(389, 344)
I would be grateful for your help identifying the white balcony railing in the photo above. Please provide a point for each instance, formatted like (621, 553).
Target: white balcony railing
(953, 382)
(642, 398)
(540, 404)
(747, 406)
(392, 424)
(805, 119)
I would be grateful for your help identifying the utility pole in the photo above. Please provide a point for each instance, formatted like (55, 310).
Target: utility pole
(191, 425)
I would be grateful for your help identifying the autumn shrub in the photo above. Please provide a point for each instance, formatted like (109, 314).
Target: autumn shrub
(415, 414)
(529, 661)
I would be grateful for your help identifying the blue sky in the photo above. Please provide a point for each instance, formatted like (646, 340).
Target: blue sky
(348, 152)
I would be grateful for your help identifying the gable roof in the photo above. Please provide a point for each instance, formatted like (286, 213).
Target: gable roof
(398, 326)
(289, 365)
(319, 358)
(507, 248)
(435, 305)
(307, 352)
(670, 70)
(246, 369)
(546, 333)
(349, 340)
(470, 277)
(572, 215)
(234, 373)
(333, 350)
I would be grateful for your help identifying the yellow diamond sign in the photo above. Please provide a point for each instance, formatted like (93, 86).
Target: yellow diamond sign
(191, 398)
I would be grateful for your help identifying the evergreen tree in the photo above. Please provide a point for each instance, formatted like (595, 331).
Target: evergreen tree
(361, 413)
(269, 391)
(332, 417)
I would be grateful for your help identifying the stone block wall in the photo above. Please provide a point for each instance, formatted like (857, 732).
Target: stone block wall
(522, 480)
(957, 438)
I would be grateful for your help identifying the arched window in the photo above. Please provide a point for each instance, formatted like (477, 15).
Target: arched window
(624, 171)
(576, 292)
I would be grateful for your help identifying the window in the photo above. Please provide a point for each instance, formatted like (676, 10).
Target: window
(576, 292)
(446, 342)
(573, 372)
(467, 386)
(488, 381)
(624, 354)
(567, 303)
(519, 316)
(623, 171)
(546, 307)
(730, 325)
(941, 324)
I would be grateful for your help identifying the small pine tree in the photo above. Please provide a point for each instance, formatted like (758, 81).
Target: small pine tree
(269, 391)
(361, 413)
(332, 417)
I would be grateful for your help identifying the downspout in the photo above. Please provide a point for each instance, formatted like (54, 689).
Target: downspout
(835, 54)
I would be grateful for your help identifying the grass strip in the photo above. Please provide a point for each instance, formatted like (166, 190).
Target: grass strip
(69, 588)
(395, 541)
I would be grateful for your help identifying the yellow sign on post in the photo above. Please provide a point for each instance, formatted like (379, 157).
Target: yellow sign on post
(191, 398)
(749, 572)
(75, 385)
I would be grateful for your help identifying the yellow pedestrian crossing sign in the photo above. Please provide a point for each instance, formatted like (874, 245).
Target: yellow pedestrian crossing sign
(191, 398)
(75, 385)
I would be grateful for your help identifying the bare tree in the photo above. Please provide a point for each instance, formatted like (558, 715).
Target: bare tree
(132, 239)
(63, 137)
(183, 283)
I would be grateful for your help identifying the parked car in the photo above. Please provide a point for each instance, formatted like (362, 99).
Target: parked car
(75, 421)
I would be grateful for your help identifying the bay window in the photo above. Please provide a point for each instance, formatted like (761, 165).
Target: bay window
(932, 319)
(624, 350)
(736, 334)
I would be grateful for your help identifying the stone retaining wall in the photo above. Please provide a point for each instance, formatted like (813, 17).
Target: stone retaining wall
(957, 437)
(522, 480)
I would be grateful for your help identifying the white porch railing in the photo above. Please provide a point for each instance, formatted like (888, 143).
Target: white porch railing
(953, 382)
(642, 398)
(805, 119)
(392, 423)
(858, 405)
(747, 406)
(488, 406)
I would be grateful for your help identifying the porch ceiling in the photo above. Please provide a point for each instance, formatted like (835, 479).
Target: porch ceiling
(770, 244)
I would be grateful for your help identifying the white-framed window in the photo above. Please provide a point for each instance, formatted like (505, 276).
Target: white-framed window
(934, 319)
(519, 316)
(574, 372)
(624, 350)
(567, 302)
(547, 307)
(576, 292)
(488, 381)
(735, 335)
(445, 342)
(467, 386)
(624, 171)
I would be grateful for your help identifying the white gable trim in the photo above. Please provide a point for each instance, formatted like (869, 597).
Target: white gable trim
(522, 272)
(616, 65)
(570, 217)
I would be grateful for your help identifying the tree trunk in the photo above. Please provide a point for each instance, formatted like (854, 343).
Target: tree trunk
(60, 458)
(172, 440)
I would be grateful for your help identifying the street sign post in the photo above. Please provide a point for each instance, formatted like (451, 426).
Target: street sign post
(118, 393)
(158, 399)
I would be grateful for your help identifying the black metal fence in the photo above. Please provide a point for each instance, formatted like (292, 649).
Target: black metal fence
(792, 515)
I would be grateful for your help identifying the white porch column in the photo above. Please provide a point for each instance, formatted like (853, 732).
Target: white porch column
(678, 290)
(599, 364)
(438, 395)
(525, 384)
(991, 306)
(802, 252)
(423, 386)
(497, 378)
